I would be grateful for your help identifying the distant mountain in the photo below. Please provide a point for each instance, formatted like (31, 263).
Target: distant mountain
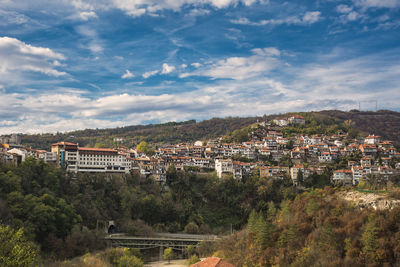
(383, 122)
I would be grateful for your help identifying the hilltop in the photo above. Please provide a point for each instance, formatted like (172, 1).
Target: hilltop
(383, 122)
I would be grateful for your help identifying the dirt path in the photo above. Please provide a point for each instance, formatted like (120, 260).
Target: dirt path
(173, 263)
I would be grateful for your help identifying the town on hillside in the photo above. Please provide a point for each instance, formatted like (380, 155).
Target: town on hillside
(268, 153)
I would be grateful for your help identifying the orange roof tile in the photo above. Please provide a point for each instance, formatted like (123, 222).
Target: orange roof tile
(64, 143)
(96, 149)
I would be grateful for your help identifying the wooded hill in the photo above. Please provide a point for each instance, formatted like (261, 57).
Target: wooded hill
(383, 122)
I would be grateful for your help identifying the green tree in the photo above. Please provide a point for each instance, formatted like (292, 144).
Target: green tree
(168, 254)
(130, 261)
(370, 236)
(190, 250)
(143, 147)
(191, 228)
(271, 213)
(251, 223)
(15, 250)
(300, 177)
(193, 259)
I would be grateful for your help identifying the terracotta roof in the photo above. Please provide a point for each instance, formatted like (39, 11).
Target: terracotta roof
(372, 137)
(97, 149)
(298, 166)
(212, 262)
(64, 143)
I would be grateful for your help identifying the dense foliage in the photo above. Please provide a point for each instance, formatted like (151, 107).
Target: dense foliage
(114, 257)
(15, 250)
(316, 229)
(67, 214)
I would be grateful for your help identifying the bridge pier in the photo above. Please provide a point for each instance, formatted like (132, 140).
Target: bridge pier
(161, 253)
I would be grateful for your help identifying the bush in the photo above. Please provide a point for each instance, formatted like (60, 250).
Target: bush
(15, 250)
(137, 227)
(193, 260)
(122, 257)
(191, 228)
(168, 254)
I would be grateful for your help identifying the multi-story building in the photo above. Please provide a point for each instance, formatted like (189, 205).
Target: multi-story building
(343, 177)
(372, 139)
(223, 166)
(85, 159)
(47, 156)
(273, 171)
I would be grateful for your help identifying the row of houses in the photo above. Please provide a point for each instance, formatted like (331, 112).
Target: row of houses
(267, 151)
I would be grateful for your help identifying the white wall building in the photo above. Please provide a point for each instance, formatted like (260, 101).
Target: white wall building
(223, 166)
(85, 159)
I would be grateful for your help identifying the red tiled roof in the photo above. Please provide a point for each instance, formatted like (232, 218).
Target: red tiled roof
(97, 149)
(298, 166)
(372, 137)
(64, 143)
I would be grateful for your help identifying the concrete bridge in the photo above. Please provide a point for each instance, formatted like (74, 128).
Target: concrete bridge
(178, 242)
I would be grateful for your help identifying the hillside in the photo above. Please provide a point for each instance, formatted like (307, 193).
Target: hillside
(171, 132)
(385, 123)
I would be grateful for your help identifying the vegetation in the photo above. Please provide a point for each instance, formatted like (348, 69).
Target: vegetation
(316, 229)
(58, 216)
(171, 132)
(15, 250)
(115, 257)
(383, 122)
(193, 259)
(66, 215)
(168, 254)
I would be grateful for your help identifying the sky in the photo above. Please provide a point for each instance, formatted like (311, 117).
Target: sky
(76, 64)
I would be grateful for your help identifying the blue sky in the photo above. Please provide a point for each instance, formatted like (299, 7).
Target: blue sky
(76, 64)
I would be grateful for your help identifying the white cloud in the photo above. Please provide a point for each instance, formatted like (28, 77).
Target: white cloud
(81, 5)
(370, 77)
(199, 12)
(240, 68)
(343, 9)
(311, 17)
(149, 74)
(93, 42)
(11, 17)
(183, 66)
(352, 16)
(18, 56)
(336, 84)
(127, 75)
(377, 3)
(86, 15)
(167, 68)
(307, 18)
(140, 7)
(348, 14)
(268, 51)
(196, 64)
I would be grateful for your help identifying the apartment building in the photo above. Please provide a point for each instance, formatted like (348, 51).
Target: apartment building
(84, 159)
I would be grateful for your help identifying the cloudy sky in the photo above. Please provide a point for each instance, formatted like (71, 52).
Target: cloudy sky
(76, 64)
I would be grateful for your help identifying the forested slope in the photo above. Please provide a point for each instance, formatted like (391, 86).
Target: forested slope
(384, 123)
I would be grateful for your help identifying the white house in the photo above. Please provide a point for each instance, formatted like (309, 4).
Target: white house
(223, 166)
